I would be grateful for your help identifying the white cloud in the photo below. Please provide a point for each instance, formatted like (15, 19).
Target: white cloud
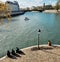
(25, 3)
(37, 0)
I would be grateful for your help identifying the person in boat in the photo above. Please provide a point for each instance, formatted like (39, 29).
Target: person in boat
(26, 18)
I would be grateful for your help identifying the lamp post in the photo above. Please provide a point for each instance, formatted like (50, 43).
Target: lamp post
(38, 37)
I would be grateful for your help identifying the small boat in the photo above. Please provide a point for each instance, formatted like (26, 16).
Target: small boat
(26, 19)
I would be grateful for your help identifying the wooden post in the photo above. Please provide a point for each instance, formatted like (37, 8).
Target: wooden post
(38, 37)
(38, 41)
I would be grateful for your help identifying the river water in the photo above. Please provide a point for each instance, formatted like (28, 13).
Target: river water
(21, 33)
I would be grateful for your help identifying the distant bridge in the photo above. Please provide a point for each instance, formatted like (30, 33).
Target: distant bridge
(34, 10)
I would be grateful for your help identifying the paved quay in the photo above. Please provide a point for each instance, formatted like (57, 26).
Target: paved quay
(32, 54)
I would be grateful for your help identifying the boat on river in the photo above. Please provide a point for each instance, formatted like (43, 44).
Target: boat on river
(26, 19)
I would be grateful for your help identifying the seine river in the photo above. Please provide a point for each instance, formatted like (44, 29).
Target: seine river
(21, 33)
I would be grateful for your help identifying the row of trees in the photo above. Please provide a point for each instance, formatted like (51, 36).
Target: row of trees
(57, 6)
(44, 7)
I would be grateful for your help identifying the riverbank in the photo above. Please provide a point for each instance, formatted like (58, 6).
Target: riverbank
(17, 13)
(52, 11)
(14, 13)
(32, 54)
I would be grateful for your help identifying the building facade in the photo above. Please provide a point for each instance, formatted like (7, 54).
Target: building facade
(13, 6)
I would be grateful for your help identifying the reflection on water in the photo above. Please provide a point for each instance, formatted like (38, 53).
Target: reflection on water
(21, 33)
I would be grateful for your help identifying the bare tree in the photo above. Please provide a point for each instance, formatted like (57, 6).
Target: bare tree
(57, 5)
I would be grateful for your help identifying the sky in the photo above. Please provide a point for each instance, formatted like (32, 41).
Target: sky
(29, 3)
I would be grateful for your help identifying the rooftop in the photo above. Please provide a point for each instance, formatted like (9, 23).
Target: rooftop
(15, 2)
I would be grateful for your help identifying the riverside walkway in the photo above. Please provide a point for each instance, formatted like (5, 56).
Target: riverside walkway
(32, 54)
